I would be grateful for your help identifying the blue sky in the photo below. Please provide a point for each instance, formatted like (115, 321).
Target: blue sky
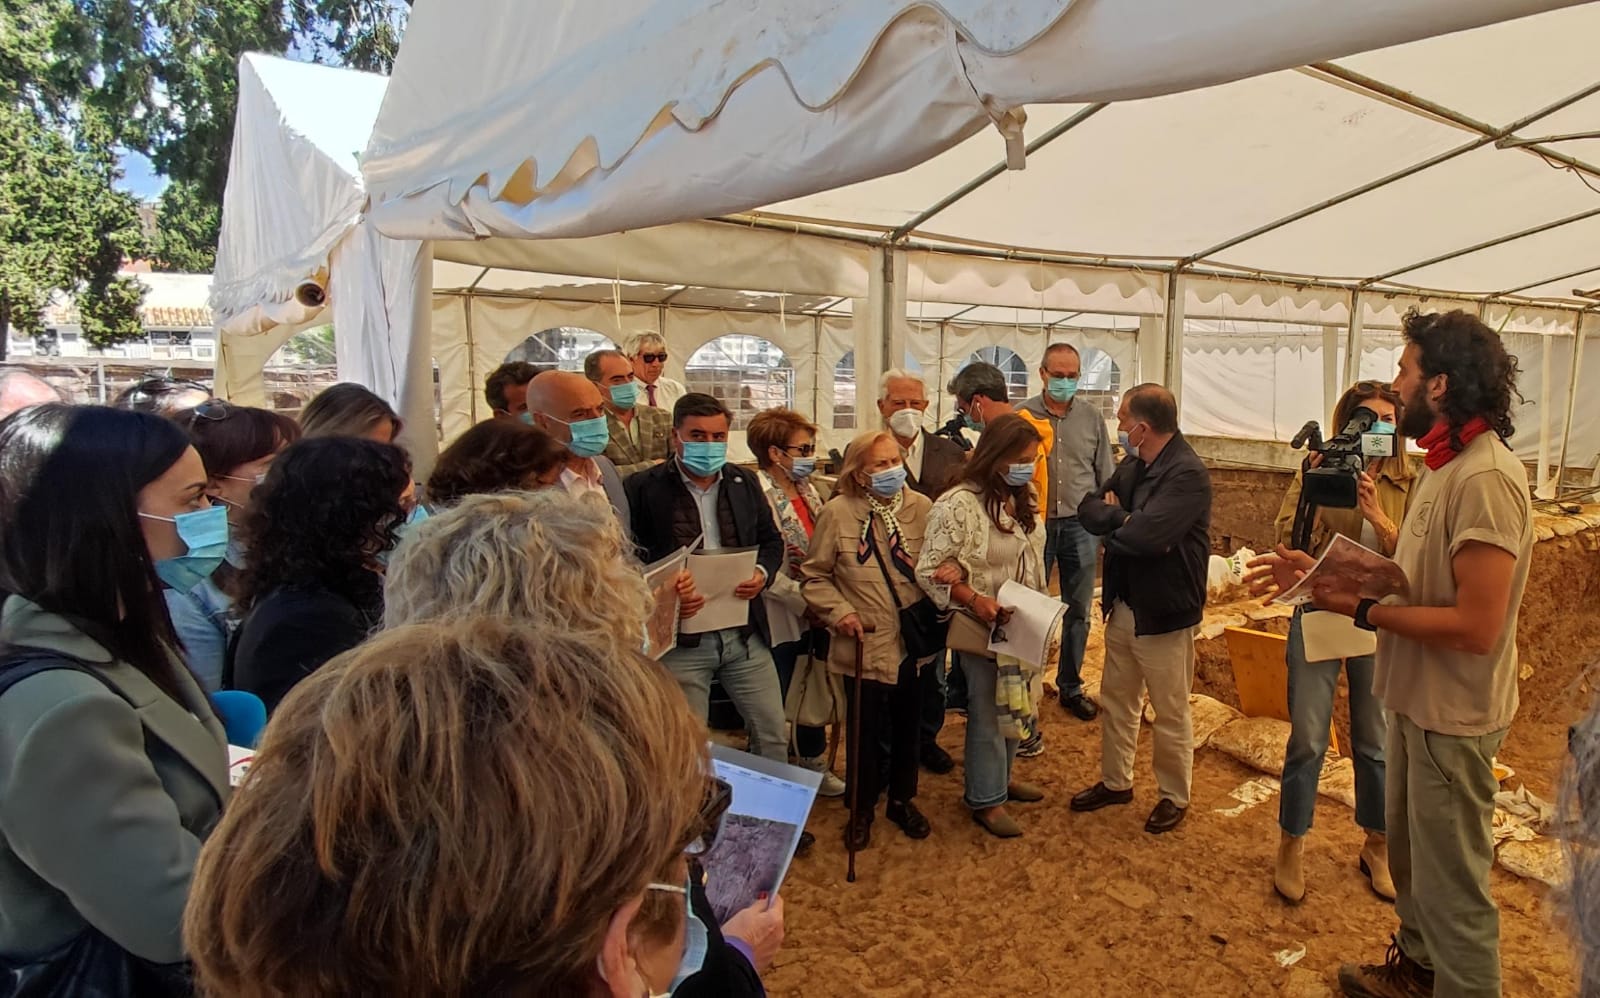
(140, 178)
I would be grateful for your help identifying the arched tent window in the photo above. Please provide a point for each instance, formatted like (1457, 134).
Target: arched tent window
(1100, 381)
(560, 348)
(845, 389)
(1010, 365)
(747, 373)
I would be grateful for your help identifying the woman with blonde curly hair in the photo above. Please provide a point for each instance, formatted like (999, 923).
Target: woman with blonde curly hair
(454, 808)
(547, 558)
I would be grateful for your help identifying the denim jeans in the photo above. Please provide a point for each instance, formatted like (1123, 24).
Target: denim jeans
(988, 754)
(1072, 548)
(1311, 692)
(745, 668)
(809, 742)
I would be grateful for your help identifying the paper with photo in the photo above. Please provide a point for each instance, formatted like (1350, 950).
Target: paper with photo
(716, 575)
(239, 759)
(1347, 567)
(661, 629)
(1332, 636)
(1034, 617)
(771, 802)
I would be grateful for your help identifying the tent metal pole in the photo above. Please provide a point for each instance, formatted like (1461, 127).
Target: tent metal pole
(1484, 139)
(901, 231)
(1173, 349)
(1542, 281)
(472, 352)
(1542, 473)
(1355, 333)
(1572, 399)
(1486, 244)
(1503, 139)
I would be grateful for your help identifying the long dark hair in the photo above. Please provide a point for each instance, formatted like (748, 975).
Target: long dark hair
(493, 456)
(228, 435)
(70, 538)
(985, 472)
(1482, 375)
(328, 505)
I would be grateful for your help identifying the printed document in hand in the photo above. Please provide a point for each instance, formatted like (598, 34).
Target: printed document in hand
(1347, 567)
(1034, 617)
(1332, 636)
(771, 802)
(661, 629)
(716, 575)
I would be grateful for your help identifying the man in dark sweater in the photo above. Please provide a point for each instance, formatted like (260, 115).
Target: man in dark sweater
(696, 494)
(1155, 521)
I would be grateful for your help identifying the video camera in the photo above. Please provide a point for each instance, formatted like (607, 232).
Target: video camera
(1334, 483)
(951, 430)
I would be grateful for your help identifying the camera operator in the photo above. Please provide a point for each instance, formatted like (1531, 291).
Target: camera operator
(1382, 493)
(1447, 660)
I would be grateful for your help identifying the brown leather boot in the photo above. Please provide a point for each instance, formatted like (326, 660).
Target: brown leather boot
(1398, 976)
(1375, 864)
(1288, 876)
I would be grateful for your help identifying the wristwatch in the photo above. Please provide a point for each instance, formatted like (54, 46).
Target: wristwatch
(1362, 609)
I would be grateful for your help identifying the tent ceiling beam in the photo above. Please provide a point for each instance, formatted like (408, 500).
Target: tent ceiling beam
(1486, 138)
(1512, 142)
(675, 292)
(900, 232)
(1542, 281)
(1503, 137)
(477, 280)
(1486, 244)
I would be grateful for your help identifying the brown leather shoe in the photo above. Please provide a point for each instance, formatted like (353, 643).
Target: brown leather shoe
(1398, 976)
(1165, 817)
(1024, 793)
(997, 822)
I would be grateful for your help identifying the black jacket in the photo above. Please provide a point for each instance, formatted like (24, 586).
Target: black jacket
(725, 973)
(292, 631)
(666, 517)
(1157, 538)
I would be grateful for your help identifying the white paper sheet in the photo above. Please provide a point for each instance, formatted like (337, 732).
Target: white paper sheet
(771, 802)
(1330, 636)
(239, 759)
(661, 629)
(716, 575)
(1349, 568)
(1034, 616)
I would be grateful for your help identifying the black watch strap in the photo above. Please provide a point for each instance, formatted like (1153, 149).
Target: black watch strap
(1362, 609)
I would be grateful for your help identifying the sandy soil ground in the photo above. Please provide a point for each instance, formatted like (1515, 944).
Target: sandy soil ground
(1091, 904)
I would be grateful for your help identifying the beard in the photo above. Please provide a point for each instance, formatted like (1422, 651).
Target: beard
(1418, 418)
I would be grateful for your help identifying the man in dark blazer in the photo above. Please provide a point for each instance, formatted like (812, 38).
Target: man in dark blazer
(696, 494)
(1155, 520)
(932, 465)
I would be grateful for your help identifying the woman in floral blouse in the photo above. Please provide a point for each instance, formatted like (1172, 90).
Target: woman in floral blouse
(983, 532)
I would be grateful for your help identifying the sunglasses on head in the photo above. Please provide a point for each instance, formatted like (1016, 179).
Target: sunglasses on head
(654, 358)
(212, 409)
(1368, 387)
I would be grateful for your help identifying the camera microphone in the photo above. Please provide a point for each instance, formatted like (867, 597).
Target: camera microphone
(1312, 431)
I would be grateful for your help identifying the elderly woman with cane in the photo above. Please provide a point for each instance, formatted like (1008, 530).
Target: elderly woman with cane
(860, 580)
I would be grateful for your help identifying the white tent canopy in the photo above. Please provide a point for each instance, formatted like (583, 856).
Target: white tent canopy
(1171, 231)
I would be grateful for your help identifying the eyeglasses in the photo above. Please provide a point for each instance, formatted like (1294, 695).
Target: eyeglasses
(654, 358)
(713, 813)
(805, 450)
(212, 409)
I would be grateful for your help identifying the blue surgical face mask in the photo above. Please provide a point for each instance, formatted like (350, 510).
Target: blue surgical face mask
(1127, 444)
(625, 396)
(418, 514)
(802, 467)
(1381, 427)
(204, 533)
(1061, 389)
(1019, 474)
(887, 483)
(526, 417)
(972, 424)
(704, 457)
(696, 941)
(589, 436)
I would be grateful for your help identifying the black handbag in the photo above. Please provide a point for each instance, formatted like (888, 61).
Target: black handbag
(923, 627)
(89, 965)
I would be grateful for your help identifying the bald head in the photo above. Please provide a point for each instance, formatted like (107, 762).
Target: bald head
(558, 399)
(19, 389)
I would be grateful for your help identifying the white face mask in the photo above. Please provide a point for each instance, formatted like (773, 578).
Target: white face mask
(906, 423)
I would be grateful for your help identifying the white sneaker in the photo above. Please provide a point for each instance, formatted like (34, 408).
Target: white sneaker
(831, 786)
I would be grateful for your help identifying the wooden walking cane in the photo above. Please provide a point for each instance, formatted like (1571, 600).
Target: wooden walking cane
(854, 750)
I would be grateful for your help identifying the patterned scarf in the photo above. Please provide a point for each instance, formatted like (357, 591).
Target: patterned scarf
(885, 510)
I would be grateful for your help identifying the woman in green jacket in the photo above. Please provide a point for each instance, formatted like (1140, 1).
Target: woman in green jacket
(113, 767)
(1383, 491)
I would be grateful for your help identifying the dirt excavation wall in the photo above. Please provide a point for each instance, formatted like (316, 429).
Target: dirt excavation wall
(1558, 636)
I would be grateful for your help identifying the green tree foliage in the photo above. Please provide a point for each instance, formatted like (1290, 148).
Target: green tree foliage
(187, 223)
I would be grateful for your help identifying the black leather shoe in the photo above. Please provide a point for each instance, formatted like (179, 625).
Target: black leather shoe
(1165, 817)
(1081, 707)
(910, 820)
(936, 760)
(1099, 796)
(807, 840)
(858, 833)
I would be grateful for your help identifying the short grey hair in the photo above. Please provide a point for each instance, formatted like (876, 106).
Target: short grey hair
(633, 344)
(897, 374)
(591, 363)
(979, 378)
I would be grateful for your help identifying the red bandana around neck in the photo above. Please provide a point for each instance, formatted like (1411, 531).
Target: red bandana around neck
(1437, 441)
